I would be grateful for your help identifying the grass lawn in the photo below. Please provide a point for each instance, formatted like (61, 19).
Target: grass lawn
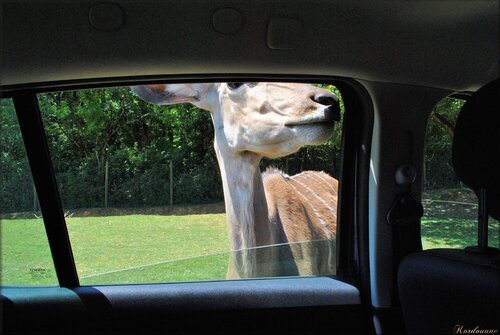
(450, 220)
(120, 249)
(153, 248)
(455, 233)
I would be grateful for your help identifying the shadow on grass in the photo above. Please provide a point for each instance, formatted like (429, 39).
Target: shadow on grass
(450, 220)
(450, 210)
(455, 233)
(449, 223)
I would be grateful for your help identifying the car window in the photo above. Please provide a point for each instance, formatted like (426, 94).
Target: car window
(450, 207)
(145, 190)
(25, 253)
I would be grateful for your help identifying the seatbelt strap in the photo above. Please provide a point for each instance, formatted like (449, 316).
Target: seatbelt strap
(404, 217)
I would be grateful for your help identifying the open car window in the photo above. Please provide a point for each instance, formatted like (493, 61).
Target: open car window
(450, 207)
(143, 192)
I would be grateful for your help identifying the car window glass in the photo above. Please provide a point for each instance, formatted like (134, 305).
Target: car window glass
(450, 207)
(142, 188)
(25, 253)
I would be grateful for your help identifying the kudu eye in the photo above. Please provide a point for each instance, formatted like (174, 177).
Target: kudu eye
(234, 86)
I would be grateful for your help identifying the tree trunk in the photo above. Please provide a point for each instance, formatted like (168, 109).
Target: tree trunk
(171, 175)
(447, 125)
(106, 182)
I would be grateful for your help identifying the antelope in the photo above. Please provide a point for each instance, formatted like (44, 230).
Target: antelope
(256, 120)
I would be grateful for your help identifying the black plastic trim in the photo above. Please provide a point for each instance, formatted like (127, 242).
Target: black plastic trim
(35, 141)
(8, 91)
(299, 305)
(354, 252)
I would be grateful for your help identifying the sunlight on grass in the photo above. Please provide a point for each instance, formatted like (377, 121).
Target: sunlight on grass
(207, 267)
(154, 248)
(450, 220)
(137, 240)
(106, 245)
(455, 233)
(26, 258)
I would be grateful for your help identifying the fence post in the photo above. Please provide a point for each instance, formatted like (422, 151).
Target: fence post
(106, 179)
(171, 183)
(35, 198)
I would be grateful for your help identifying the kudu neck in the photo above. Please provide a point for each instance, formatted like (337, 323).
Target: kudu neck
(244, 197)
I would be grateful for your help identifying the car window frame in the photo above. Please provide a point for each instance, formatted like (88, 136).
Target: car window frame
(356, 127)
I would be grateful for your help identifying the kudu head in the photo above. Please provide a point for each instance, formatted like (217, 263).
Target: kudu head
(266, 119)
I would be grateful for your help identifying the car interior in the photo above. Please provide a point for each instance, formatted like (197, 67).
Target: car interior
(392, 62)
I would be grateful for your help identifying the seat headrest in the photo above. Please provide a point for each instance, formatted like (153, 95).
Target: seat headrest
(476, 145)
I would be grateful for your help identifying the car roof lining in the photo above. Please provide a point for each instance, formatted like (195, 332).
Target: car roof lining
(444, 44)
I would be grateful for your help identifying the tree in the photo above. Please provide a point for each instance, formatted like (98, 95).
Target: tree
(16, 186)
(446, 112)
(438, 170)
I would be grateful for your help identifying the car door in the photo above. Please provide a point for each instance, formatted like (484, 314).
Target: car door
(58, 297)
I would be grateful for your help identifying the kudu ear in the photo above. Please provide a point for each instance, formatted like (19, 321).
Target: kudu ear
(167, 94)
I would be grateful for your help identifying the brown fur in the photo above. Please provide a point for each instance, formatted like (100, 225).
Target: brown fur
(295, 199)
(157, 88)
(304, 207)
(302, 218)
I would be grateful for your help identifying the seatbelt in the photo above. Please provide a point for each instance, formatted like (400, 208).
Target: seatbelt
(404, 218)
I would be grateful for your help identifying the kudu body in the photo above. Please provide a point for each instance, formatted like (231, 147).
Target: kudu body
(256, 120)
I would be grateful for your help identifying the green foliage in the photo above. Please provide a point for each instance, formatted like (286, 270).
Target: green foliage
(16, 184)
(88, 128)
(438, 169)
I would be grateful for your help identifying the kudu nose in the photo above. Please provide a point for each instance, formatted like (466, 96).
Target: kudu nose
(326, 99)
(332, 112)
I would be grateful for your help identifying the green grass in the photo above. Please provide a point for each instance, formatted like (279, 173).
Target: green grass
(451, 220)
(25, 253)
(455, 233)
(153, 248)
